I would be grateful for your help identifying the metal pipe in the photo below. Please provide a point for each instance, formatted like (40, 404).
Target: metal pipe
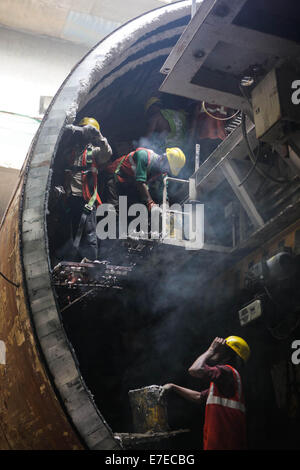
(197, 157)
(193, 8)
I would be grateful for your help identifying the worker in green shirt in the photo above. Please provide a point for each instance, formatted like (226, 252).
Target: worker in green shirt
(139, 173)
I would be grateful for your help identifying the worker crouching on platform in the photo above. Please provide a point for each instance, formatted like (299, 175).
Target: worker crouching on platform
(85, 152)
(134, 174)
(225, 420)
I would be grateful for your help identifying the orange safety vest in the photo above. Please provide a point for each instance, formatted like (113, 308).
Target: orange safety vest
(225, 418)
(88, 165)
(127, 165)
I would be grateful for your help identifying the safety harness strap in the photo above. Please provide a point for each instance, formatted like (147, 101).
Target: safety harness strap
(88, 160)
(117, 170)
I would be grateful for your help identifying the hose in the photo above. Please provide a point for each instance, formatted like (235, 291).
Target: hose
(254, 158)
(215, 117)
(253, 166)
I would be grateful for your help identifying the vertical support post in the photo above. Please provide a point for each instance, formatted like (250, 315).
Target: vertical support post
(164, 209)
(193, 8)
(197, 157)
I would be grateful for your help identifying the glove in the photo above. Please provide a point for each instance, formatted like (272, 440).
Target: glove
(59, 190)
(152, 206)
(90, 132)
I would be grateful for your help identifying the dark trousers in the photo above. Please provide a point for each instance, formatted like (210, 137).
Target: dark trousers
(113, 189)
(88, 247)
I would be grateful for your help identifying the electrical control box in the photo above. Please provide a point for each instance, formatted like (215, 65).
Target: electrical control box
(250, 312)
(273, 104)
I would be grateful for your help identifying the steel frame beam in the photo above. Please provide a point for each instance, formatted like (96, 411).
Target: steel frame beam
(207, 30)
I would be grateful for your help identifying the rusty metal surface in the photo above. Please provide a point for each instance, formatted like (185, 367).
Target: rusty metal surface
(149, 409)
(31, 416)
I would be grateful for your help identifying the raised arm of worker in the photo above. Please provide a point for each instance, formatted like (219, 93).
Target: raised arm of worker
(201, 370)
(210, 366)
(198, 368)
(102, 151)
(88, 134)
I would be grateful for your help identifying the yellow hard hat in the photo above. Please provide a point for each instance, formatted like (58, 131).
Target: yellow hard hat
(176, 159)
(89, 121)
(239, 345)
(151, 101)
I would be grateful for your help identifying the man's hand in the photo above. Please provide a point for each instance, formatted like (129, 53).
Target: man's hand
(167, 387)
(91, 133)
(151, 205)
(217, 345)
(209, 357)
(164, 389)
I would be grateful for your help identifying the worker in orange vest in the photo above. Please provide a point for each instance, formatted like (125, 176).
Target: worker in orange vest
(207, 127)
(132, 174)
(225, 419)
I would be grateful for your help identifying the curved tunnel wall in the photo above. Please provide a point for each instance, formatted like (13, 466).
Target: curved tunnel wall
(138, 42)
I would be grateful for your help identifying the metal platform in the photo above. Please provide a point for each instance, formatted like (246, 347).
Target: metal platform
(94, 274)
(134, 440)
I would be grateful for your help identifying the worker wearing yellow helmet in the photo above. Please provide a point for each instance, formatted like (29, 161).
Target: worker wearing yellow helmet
(83, 151)
(140, 173)
(89, 121)
(166, 127)
(225, 418)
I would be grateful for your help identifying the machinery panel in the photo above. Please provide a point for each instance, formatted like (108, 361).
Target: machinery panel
(223, 45)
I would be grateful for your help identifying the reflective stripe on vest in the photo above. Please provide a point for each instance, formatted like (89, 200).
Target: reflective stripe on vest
(129, 157)
(226, 402)
(214, 400)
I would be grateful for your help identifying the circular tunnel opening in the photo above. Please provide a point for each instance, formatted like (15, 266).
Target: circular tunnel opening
(143, 329)
(138, 333)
